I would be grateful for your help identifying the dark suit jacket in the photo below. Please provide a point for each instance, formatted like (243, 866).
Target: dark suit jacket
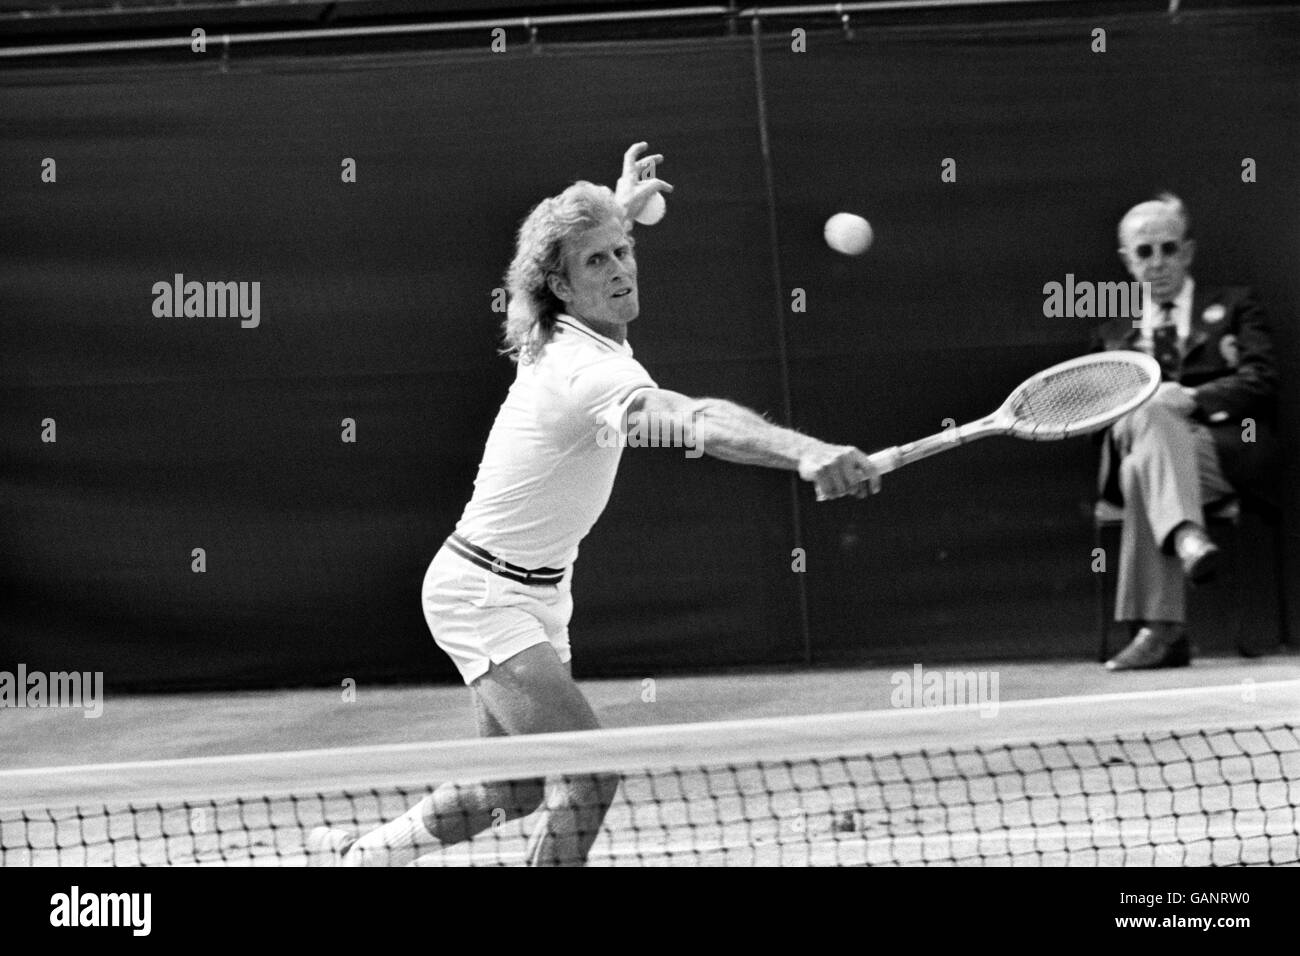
(1229, 361)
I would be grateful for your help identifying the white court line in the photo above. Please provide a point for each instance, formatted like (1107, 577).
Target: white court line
(1035, 722)
(892, 714)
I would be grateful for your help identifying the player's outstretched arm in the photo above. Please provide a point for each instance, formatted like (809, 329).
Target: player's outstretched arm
(737, 434)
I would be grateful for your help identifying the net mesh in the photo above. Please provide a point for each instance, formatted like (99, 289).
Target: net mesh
(1203, 797)
(1080, 394)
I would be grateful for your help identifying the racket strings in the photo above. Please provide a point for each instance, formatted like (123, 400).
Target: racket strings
(1080, 393)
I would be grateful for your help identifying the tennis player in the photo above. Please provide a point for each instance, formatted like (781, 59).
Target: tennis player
(497, 595)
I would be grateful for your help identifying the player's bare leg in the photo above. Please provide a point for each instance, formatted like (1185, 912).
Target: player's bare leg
(453, 813)
(531, 693)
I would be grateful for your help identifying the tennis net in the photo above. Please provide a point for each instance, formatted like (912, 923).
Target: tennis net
(1078, 781)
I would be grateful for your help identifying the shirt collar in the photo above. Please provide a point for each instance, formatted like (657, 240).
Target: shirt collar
(569, 324)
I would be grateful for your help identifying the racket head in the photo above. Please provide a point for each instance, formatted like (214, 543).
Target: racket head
(1079, 396)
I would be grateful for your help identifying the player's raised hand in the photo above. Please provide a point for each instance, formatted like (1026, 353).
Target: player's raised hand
(632, 191)
(839, 470)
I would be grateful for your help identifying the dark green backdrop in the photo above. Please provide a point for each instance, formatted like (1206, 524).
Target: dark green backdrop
(182, 433)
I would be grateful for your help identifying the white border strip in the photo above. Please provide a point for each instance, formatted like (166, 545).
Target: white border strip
(344, 33)
(726, 14)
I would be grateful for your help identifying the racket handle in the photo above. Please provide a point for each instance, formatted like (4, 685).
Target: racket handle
(891, 459)
(887, 459)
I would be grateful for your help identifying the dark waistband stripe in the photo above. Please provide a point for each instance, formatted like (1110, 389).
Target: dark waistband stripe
(489, 562)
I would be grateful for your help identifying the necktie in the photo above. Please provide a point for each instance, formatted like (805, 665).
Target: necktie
(1164, 344)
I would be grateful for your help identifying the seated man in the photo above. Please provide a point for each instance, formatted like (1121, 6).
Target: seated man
(1188, 447)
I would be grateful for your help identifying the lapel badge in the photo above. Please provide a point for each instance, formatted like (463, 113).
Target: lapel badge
(1229, 350)
(1214, 313)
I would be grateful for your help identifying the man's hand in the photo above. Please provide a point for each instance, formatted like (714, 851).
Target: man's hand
(839, 470)
(632, 192)
(1178, 397)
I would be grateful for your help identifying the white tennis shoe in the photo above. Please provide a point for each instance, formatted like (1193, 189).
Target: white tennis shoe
(327, 846)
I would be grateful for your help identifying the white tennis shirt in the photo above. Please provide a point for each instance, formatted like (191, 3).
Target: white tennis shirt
(544, 478)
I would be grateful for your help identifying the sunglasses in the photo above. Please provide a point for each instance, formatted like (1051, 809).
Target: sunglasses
(1145, 250)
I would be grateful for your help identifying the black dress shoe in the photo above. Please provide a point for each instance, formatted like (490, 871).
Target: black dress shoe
(1146, 652)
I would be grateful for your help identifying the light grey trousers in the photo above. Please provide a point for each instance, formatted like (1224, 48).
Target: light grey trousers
(1169, 470)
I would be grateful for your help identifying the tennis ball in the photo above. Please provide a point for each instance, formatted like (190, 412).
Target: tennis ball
(653, 210)
(848, 234)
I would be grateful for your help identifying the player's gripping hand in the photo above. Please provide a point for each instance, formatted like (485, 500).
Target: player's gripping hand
(632, 192)
(839, 470)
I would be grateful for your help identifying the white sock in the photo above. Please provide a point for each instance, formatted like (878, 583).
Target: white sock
(396, 843)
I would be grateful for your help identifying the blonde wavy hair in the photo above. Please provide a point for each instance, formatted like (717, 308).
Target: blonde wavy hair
(539, 253)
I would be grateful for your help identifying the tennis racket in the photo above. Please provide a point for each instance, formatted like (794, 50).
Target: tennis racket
(1076, 397)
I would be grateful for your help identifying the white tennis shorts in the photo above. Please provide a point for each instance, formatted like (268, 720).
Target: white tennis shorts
(480, 618)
